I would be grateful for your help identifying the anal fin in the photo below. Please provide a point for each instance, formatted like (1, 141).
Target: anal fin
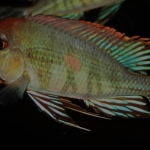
(121, 106)
(74, 107)
(53, 107)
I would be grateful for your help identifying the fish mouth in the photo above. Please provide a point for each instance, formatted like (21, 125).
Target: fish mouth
(2, 81)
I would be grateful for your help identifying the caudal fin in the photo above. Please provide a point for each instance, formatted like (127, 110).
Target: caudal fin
(105, 13)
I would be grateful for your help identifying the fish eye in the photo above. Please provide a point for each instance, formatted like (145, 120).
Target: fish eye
(3, 41)
(3, 44)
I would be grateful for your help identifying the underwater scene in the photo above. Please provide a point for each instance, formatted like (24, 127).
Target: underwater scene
(74, 74)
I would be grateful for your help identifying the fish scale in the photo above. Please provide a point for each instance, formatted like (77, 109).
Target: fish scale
(46, 73)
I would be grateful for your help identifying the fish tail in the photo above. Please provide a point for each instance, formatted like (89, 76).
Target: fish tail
(105, 13)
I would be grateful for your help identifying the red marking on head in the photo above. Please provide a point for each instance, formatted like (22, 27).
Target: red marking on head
(73, 62)
(9, 26)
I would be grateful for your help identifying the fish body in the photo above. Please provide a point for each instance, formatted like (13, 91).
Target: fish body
(74, 59)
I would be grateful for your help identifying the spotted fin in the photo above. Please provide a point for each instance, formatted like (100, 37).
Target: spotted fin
(132, 52)
(106, 12)
(123, 106)
(13, 91)
(53, 107)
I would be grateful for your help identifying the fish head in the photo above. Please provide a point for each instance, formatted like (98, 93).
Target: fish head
(11, 59)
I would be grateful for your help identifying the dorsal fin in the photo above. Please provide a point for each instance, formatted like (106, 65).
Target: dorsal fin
(132, 52)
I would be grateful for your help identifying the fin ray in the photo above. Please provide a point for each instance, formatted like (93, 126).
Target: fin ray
(53, 107)
(122, 106)
(106, 12)
(15, 90)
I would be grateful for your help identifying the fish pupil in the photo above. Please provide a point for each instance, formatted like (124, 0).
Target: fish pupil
(3, 44)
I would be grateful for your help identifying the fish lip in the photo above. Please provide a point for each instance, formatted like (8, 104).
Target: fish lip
(2, 81)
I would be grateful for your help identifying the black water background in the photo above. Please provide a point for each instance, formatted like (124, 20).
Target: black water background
(23, 126)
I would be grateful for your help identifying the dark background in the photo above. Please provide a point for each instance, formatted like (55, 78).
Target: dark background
(22, 125)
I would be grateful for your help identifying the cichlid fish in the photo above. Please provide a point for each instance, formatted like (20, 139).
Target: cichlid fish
(73, 9)
(55, 59)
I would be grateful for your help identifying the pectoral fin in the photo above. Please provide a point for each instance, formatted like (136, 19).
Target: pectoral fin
(53, 107)
(122, 106)
(13, 91)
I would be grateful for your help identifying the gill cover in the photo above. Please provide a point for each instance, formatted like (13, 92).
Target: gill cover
(11, 66)
(11, 72)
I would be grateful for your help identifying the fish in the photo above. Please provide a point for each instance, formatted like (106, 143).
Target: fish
(107, 12)
(54, 60)
(72, 9)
